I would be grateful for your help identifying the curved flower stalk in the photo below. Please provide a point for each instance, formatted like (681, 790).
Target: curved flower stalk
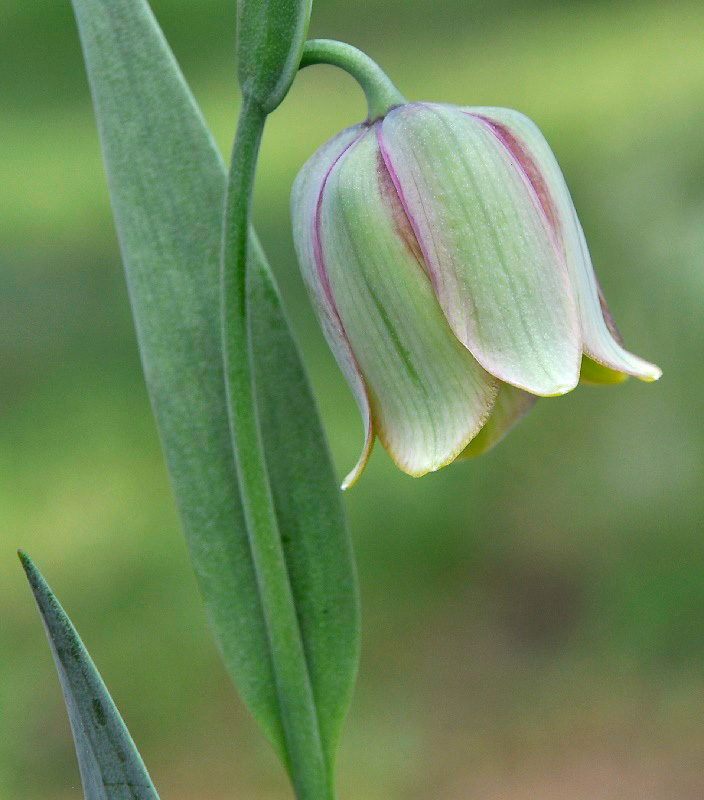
(446, 263)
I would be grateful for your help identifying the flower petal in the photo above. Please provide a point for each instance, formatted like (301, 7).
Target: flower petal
(511, 405)
(429, 397)
(594, 374)
(305, 207)
(601, 342)
(495, 266)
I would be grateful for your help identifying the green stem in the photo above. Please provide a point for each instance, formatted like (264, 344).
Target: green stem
(305, 757)
(381, 94)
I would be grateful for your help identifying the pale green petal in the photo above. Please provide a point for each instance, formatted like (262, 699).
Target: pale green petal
(429, 397)
(511, 406)
(305, 199)
(492, 257)
(598, 340)
(594, 374)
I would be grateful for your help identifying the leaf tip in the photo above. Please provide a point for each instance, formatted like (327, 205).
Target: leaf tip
(37, 584)
(27, 563)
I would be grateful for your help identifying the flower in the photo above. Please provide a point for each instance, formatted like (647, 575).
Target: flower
(450, 274)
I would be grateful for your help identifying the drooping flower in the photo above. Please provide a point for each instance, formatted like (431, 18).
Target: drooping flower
(445, 261)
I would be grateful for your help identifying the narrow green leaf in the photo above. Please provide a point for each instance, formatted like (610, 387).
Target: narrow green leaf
(270, 39)
(167, 184)
(317, 549)
(110, 766)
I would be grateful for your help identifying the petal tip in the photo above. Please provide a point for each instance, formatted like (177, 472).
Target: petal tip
(652, 375)
(628, 363)
(562, 390)
(546, 390)
(424, 465)
(354, 475)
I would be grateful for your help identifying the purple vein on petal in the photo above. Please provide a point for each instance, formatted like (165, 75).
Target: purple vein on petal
(535, 183)
(531, 176)
(404, 204)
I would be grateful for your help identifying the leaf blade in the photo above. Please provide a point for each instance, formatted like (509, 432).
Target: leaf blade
(167, 184)
(110, 765)
(319, 559)
(148, 123)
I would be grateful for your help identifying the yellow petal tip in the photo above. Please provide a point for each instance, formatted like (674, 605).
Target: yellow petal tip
(653, 376)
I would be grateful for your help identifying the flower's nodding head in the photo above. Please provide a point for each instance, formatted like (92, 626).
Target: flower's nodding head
(449, 271)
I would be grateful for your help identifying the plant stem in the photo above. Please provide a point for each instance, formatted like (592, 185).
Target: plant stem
(380, 92)
(305, 759)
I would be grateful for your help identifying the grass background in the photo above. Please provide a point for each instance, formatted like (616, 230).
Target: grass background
(532, 619)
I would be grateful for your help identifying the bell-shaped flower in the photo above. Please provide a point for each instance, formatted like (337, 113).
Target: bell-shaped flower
(450, 274)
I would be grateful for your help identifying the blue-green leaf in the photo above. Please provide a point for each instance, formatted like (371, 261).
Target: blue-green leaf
(307, 500)
(167, 185)
(110, 766)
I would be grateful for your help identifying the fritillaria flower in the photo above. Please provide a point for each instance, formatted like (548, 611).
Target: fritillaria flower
(450, 274)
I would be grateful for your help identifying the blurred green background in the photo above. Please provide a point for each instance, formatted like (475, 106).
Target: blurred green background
(533, 619)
